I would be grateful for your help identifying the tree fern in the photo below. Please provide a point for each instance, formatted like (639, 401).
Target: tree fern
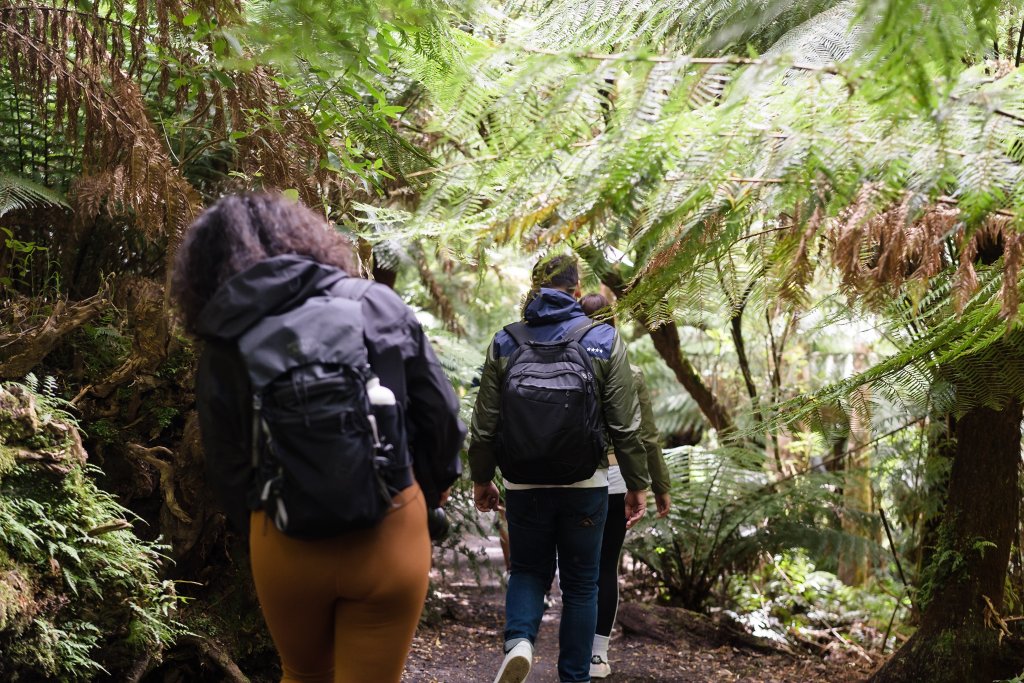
(726, 513)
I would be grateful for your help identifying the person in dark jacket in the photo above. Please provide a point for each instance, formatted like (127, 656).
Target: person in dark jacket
(342, 609)
(597, 306)
(564, 521)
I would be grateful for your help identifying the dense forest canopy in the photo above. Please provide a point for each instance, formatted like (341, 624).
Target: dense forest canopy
(808, 212)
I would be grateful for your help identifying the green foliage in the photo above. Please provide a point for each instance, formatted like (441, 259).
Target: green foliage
(77, 587)
(340, 58)
(945, 363)
(103, 344)
(726, 513)
(678, 158)
(20, 193)
(787, 598)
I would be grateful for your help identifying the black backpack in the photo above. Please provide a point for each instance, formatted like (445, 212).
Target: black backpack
(327, 461)
(550, 426)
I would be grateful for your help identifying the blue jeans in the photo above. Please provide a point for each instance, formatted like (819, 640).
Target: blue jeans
(544, 524)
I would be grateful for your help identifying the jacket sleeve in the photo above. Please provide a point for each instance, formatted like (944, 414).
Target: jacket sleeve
(622, 417)
(484, 427)
(404, 360)
(660, 480)
(437, 433)
(222, 390)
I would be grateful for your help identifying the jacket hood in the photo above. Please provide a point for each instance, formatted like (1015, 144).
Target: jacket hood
(274, 284)
(551, 306)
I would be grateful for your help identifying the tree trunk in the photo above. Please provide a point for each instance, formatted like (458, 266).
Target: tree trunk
(959, 639)
(666, 342)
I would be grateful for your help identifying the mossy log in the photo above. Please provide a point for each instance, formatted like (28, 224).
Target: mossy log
(672, 624)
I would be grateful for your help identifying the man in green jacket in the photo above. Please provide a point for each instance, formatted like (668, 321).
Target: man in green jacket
(566, 522)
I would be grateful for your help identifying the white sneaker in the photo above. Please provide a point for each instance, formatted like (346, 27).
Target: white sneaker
(516, 666)
(599, 667)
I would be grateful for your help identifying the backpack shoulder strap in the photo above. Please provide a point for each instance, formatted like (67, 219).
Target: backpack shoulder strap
(519, 332)
(578, 331)
(353, 288)
(387, 363)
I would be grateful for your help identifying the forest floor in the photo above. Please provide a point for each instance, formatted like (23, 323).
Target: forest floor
(463, 644)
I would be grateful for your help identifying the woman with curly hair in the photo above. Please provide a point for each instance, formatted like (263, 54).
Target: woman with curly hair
(341, 609)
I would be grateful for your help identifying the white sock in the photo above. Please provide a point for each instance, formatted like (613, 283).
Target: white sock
(601, 646)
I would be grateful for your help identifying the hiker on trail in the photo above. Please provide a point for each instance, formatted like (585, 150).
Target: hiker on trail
(597, 306)
(318, 397)
(551, 388)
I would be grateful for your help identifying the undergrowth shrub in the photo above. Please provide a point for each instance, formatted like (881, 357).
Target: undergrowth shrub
(727, 513)
(80, 593)
(788, 598)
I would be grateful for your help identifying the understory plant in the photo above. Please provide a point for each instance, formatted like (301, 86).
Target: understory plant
(80, 593)
(727, 513)
(789, 598)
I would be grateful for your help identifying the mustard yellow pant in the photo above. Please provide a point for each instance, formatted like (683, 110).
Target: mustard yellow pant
(344, 609)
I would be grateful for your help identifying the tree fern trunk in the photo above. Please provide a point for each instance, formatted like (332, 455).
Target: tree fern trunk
(957, 641)
(669, 347)
(666, 341)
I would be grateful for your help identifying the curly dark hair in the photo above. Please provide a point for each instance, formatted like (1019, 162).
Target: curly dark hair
(241, 230)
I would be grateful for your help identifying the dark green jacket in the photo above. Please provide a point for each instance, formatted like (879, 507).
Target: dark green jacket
(660, 481)
(550, 315)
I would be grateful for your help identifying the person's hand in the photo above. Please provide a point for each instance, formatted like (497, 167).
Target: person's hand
(664, 503)
(442, 500)
(486, 497)
(636, 507)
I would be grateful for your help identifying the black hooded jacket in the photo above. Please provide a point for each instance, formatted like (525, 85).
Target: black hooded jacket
(399, 353)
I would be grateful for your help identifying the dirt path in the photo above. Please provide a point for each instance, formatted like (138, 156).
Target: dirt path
(465, 646)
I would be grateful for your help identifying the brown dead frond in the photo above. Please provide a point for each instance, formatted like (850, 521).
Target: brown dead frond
(849, 233)
(88, 73)
(280, 139)
(798, 268)
(1013, 253)
(881, 249)
(79, 62)
(881, 246)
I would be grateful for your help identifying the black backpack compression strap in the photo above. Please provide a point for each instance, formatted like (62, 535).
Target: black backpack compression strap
(388, 366)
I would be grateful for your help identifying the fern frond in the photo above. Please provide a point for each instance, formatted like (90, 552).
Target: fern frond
(18, 193)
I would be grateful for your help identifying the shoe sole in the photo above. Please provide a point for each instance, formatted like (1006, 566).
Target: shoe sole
(516, 671)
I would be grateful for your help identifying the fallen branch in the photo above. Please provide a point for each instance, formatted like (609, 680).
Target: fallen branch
(671, 624)
(28, 348)
(215, 654)
(113, 525)
(52, 462)
(166, 471)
